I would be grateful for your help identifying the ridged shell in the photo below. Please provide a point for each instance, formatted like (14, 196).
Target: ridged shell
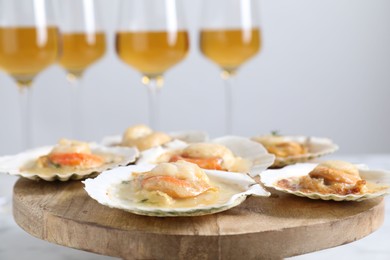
(98, 189)
(12, 164)
(317, 147)
(270, 177)
(191, 136)
(240, 146)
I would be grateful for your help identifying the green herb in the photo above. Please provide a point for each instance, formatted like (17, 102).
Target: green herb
(275, 133)
(55, 165)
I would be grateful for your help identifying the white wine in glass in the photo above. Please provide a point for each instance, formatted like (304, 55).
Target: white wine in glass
(152, 38)
(83, 43)
(230, 36)
(28, 44)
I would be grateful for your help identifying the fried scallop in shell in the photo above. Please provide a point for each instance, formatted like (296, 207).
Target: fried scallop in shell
(171, 189)
(69, 159)
(280, 146)
(179, 180)
(204, 151)
(331, 180)
(70, 155)
(229, 153)
(336, 171)
(333, 177)
(293, 149)
(142, 137)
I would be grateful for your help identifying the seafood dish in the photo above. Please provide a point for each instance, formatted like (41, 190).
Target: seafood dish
(171, 189)
(293, 149)
(335, 180)
(229, 153)
(143, 137)
(66, 160)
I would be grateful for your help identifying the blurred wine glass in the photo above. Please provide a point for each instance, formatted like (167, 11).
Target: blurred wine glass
(28, 45)
(152, 38)
(230, 35)
(83, 43)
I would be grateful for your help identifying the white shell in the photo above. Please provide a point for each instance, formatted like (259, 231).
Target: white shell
(12, 164)
(98, 189)
(317, 147)
(270, 177)
(240, 146)
(191, 136)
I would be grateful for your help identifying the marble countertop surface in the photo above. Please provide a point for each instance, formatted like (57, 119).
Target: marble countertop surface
(17, 244)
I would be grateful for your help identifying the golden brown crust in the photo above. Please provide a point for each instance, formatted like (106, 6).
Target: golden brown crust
(345, 167)
(308, 184)
(333, 175)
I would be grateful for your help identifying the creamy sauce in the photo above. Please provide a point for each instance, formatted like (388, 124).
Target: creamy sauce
(126, 194)
(109, 160)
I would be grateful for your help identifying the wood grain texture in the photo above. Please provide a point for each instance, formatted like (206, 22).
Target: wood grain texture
(260, 228)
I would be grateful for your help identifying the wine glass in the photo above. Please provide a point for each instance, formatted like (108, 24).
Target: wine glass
(28, 45)
(152, 38)
(230, 35)
(83, 43)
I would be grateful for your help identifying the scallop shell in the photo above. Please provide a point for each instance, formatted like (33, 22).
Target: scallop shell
(12, 164)
(240, 146)
(317, 147)
(191, 136)
(99, 188)
(379, 177)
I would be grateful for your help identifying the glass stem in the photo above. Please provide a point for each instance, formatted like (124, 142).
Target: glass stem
(25, 115)
(154, 107)
(228, 104)
(76, 110)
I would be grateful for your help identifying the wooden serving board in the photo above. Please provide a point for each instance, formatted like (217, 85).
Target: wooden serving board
(260, 228)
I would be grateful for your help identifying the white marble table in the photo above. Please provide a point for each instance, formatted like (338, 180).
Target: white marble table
(17, 244)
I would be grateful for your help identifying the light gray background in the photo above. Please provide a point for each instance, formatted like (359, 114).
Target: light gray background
(323, 71)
